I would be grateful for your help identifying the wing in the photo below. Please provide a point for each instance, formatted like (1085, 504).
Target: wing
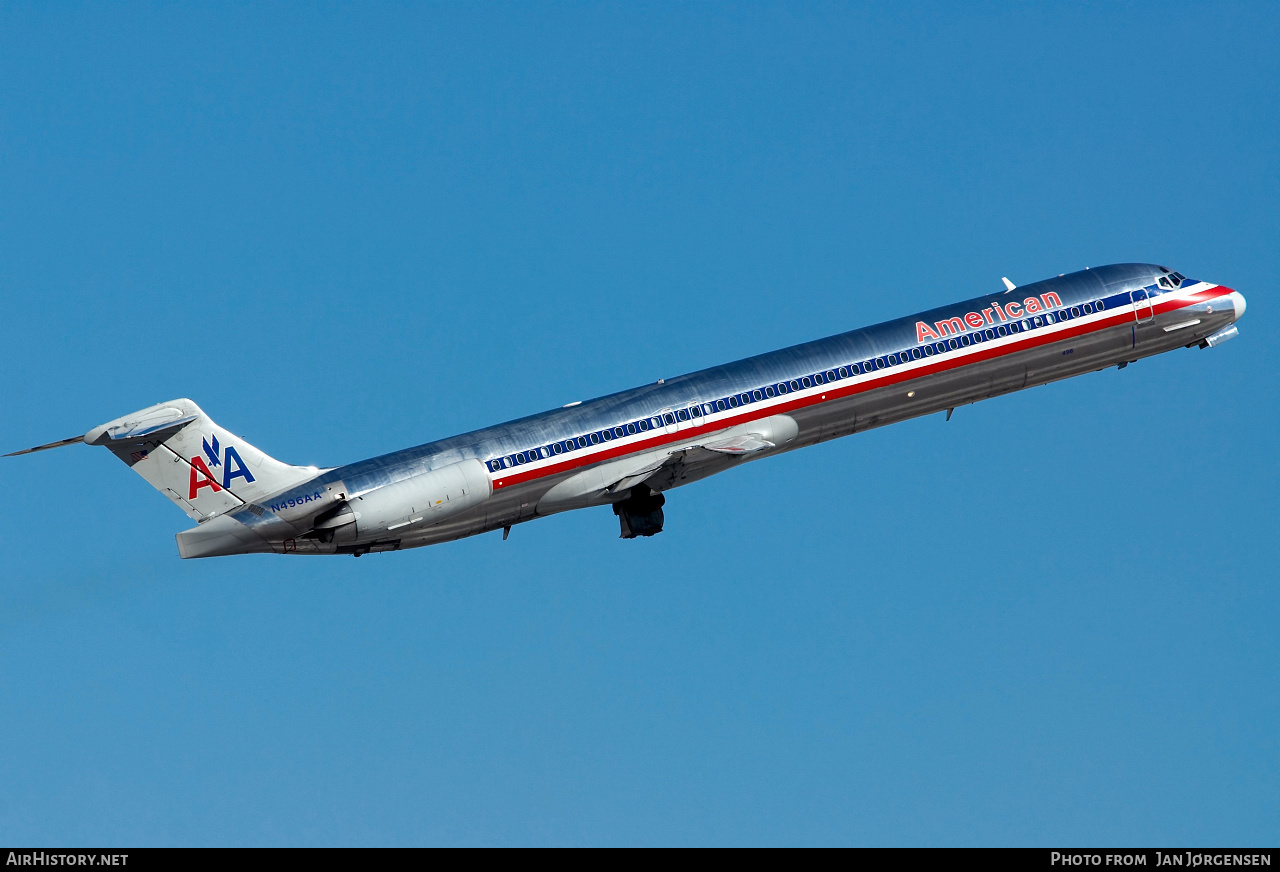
(744, 443)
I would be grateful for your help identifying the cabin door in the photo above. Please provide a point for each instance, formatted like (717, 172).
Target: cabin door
(1142, 308)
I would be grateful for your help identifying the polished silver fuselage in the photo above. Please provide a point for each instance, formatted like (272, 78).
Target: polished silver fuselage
(918, 365)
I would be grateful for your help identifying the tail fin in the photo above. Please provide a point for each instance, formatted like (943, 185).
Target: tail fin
(205, 470)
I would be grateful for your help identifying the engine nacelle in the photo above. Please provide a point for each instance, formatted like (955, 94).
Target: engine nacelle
(417, 502)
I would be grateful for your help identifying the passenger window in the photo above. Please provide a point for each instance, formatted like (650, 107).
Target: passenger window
(768, 392)
(643, 425)
(733, 402)
(682, 415)
(1088, 309)
(695, 411)
(1038, 321)
(1098, 305)
(795, 385)
(928, 351)
(952, 344)
(607, 434)
(631, 429)
(991, 334)
(706, 409)
(844, 373)
(807, 382)
(757, 395)
(1002, 331)
(915, 352)
(720, 405)
(669, 418)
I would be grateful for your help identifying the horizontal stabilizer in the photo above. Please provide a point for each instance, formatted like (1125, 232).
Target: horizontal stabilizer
(72, 441)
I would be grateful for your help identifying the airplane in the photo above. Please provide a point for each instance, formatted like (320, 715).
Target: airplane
(626, 450)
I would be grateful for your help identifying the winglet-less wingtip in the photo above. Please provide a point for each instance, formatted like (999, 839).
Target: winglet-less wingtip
(1008, 285)
(72, 441)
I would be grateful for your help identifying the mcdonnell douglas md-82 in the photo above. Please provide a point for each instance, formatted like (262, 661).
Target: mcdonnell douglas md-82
(628, 448)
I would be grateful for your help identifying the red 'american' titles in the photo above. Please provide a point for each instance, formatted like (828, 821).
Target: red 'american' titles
(973, 321)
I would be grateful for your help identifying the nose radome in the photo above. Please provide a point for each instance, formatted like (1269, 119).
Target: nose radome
(1237, 301)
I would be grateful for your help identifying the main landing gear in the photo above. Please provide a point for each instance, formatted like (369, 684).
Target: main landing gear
(641, 513)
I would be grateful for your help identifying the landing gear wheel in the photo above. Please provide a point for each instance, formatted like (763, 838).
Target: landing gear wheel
(640, 514)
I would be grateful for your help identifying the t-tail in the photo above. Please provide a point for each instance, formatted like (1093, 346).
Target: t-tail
(205, 470)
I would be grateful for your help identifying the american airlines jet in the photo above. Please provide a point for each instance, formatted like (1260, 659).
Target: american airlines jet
(627, 449)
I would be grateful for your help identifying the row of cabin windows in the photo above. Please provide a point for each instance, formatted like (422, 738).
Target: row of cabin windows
(699, 410)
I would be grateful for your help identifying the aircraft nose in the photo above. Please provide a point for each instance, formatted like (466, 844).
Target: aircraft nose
(1237, 301)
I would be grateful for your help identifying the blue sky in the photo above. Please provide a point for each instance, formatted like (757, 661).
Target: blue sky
(345, 229)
